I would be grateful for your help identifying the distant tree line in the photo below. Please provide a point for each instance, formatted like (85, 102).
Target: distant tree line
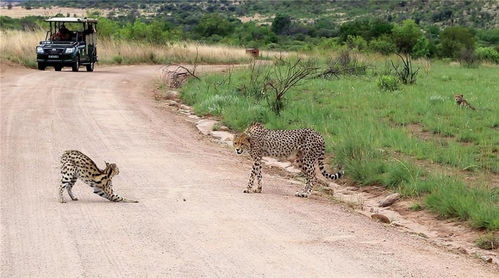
(287, 33)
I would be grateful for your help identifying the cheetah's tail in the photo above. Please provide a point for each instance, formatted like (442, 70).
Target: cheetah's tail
(334, 176)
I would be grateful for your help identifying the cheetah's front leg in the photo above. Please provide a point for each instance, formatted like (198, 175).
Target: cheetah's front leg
(255, 171)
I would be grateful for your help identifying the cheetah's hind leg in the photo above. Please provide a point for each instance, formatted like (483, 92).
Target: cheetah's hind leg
(308, 169)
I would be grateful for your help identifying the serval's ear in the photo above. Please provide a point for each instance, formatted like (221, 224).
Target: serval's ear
(107, 164)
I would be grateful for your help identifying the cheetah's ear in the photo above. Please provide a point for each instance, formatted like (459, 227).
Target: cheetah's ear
(246, 137)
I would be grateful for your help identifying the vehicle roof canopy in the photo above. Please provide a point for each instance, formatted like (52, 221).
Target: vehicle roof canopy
(72, 19)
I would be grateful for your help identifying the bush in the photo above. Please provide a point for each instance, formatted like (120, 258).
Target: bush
(407, 74)
(453, 199)
(454, 39)
(383, 45)
(344, 64)
(281, 24)
(406, 35)
(487, 54)
(488, 241)
(421, 48)
(468, 58)
(388, 83)
(356, 42)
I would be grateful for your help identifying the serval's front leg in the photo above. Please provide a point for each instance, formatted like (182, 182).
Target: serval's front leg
(255, 171)
(67, 180)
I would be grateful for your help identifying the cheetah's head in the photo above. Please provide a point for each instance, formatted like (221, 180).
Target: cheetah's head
(241, 142)
(111, 169)
(458, 97)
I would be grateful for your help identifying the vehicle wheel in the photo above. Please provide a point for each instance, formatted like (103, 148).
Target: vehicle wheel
(57, 68)
(76, 65)
(90, 67)
(41, 66)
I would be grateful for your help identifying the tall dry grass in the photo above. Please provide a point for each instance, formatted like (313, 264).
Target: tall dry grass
(126, 52)
(19, 47)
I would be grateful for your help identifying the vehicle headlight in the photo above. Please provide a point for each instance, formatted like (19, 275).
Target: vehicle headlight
(39, 50)
(69, 50)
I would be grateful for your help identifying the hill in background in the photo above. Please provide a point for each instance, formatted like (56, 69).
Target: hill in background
(471, 13)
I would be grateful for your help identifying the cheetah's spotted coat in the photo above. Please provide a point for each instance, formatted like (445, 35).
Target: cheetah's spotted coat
(307, 143)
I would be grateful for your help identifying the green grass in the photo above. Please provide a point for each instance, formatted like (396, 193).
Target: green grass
(394, 139)
(488, 241)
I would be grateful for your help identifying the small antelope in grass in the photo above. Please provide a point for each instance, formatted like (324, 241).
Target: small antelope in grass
(75, 165)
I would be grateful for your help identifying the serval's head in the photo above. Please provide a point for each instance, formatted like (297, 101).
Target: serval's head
(111, 169)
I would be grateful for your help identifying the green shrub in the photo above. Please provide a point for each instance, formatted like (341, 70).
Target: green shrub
(356, 42)
(421, 48)
(388, 83)
(383, 45)
(468, 58)
(453, 199)
(488, 241)
(118, 59)
(406, 35)
(416, 207)
(402, 173)
(454, 39)
(487, 54)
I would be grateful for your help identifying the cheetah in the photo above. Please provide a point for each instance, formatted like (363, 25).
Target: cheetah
(74, 165)
(462, 102)
(306, 143)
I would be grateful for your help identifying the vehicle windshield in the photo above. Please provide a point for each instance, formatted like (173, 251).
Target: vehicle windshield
(61, 32)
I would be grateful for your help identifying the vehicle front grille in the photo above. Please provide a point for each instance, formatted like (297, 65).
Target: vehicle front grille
(53, 51)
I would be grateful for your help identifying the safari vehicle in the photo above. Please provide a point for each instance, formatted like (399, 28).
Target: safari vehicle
(70, 42)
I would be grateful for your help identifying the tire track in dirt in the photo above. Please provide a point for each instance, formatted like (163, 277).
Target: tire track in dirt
(192, 220)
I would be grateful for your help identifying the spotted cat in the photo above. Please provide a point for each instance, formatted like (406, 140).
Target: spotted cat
(462, 102)
(307, 143)
(75, 165)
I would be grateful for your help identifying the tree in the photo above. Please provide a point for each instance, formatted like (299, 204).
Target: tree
(406, 35)
(213, 24)
(281, 24)
(455, 39)
(358, 27)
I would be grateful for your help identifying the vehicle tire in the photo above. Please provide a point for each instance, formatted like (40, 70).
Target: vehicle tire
(41, 66)
(57, 68)
(90, 67)
(76, 65)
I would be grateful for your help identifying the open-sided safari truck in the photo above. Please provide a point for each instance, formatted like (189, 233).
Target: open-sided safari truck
(70, 42)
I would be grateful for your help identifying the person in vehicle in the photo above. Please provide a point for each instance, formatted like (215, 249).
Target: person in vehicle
(65, 33)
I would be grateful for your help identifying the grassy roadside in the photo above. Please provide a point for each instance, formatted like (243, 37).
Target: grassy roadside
(386, 138)
(19, 47)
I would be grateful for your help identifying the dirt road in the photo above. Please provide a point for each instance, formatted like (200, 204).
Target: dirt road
(192, 220)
